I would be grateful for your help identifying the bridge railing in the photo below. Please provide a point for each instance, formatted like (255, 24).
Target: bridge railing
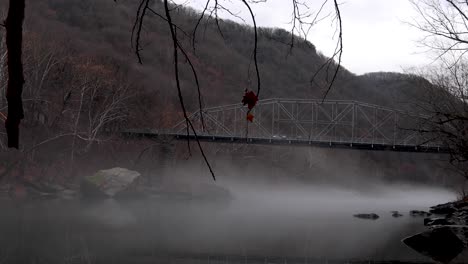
(339, 121)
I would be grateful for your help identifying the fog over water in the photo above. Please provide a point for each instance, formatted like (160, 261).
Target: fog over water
(258, 208)
(298, 221)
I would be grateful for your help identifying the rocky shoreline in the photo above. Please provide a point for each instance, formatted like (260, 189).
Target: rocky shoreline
(447, 234)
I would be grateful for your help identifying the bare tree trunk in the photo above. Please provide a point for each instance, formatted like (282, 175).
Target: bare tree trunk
(14, 42)
(75, 130)
(3, 56)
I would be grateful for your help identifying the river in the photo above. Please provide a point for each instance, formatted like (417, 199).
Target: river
(261, 225)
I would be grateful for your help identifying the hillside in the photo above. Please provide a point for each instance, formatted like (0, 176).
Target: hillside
(84, 83)
(101, 30)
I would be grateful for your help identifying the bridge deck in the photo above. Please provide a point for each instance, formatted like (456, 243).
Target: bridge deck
(295, 142)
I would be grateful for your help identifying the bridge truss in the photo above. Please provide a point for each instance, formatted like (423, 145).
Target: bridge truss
(312, 121)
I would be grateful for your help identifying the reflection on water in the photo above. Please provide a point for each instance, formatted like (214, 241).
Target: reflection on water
(265, 226)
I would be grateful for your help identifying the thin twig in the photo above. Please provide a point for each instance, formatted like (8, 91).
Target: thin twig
(338, 50)
(179, 92)
(255, 51)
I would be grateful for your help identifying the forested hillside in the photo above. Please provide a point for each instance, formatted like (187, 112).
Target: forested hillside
(84, 83)
(97, 34)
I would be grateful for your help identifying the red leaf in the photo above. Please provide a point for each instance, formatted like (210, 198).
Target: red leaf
(249, 99)
(250, 117)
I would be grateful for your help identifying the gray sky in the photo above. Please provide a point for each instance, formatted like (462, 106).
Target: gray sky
(375, 35)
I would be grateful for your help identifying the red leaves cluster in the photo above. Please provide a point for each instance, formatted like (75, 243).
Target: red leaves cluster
(249, 99)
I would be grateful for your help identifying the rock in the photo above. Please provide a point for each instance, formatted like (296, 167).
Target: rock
(460, 217)
(463, 220)
(442, 244)
(396, 214)
(108, 183)
(443, 209)
(459, 204)
(437, 221)
(39, 190)
(50, 187)
(371, 216)
(419, 213)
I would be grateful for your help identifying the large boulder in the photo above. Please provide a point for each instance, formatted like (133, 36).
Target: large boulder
(437, 221)
(460, 217)
(109, 183)
(416, 213)
(396, 214)
(443, 209)
(442, 244)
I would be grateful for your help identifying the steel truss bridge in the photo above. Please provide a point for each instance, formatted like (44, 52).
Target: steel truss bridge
(329, 123)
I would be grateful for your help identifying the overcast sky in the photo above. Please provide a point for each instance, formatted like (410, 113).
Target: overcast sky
(375, 35)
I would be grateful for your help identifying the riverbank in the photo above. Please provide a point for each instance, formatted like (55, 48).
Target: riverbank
(446, 239)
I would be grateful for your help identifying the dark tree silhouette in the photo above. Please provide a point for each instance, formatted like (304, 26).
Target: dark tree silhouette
(14, 42)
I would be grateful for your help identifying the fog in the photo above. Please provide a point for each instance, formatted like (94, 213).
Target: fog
(290, 219)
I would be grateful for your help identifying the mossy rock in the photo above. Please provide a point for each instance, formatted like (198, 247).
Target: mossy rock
(108, 183)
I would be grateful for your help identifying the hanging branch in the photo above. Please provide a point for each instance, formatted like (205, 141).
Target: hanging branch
(255, 45)
(179, 92)
(300, 23)
(216, 17)
(338, 51)
(138, 26)
(143, 8)
(200, 18)
(197, 83)
(299, 20)
(192, 67)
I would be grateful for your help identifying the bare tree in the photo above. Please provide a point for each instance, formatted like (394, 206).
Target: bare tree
(106, 104)
(445, 24)
(98, 100)
(446, 106)
(72, 100)
(3, 69)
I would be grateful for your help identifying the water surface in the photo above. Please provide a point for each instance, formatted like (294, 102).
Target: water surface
(303, 224)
